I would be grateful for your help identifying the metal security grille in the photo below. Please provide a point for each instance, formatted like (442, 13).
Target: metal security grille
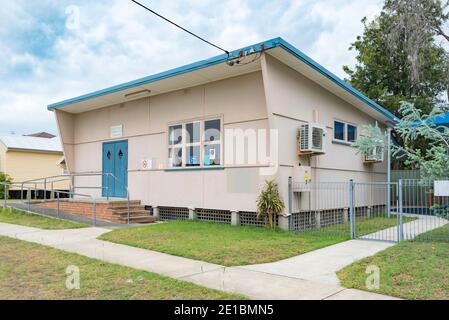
(217, 216)
(250, 219)
(172, 213)
(303, 221)
(317, 138)
(304, 137)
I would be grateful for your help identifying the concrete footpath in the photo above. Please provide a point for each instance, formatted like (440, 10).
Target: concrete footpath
(322, 265)
(256, 282)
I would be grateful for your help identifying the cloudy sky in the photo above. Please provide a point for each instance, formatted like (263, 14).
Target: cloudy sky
(51, 50)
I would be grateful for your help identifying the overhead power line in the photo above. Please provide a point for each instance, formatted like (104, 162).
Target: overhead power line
(178, 26)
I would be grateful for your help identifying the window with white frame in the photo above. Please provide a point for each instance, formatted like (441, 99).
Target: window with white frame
(345, 132)
(195, 144)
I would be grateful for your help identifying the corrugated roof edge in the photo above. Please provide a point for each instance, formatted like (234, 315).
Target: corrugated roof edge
(269, 44)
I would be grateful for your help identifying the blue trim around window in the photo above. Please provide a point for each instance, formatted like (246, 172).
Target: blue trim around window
(195, 169)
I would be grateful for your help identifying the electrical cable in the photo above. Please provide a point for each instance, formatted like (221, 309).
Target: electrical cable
(178, 26)
(231, 61)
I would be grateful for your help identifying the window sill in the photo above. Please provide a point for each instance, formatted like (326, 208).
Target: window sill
(343, 143)
(194, 169)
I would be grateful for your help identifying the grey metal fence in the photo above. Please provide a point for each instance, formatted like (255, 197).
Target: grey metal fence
(321, 207)
(430, 213)
(404, 210)
(374, 215)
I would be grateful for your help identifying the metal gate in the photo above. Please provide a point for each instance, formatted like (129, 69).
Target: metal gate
(427, 212)
(373, 210)
(380, 211)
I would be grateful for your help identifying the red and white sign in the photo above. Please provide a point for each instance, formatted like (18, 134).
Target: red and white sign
(147, 164)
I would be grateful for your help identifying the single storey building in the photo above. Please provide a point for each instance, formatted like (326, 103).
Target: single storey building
(25, 158)
(207, 135)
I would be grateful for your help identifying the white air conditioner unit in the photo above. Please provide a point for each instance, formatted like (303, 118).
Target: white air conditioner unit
(376, 155)
(311, 139)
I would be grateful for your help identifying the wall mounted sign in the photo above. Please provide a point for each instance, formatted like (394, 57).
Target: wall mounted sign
(441, 188)
(117, 131)
(147, 164)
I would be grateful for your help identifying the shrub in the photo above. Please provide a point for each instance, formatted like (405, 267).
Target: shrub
(269, 203)
(3, 178)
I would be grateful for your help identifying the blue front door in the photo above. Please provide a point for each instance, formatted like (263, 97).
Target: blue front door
(115, 161)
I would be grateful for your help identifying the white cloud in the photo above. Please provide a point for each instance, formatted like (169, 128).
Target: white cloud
(117, 41)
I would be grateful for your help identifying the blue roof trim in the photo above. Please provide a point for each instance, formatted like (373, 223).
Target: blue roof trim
(269, 44)
(163, 75)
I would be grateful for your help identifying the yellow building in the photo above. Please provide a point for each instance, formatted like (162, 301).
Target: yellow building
(26, 158)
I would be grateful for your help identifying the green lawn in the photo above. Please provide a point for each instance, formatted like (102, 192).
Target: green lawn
(31, 271)
(234, 246)
(409, 270)
(13, 216)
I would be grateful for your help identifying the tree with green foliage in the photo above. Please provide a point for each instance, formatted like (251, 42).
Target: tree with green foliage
(270, 203)
(4, 178)
(433, 162)
(399, 56)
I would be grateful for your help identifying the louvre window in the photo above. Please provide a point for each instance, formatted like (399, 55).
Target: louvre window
(195, 144)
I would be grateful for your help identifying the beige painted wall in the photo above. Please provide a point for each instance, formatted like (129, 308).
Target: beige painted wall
(239, 101)
(65, 123)
(277, 98)
(23, 166)
(291, 101)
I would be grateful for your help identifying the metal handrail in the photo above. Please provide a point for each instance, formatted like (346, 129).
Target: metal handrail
(93, 199)
(71, 176)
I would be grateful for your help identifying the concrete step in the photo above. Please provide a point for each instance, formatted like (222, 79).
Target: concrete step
(139, 219)
(135, 206)
(122, 203)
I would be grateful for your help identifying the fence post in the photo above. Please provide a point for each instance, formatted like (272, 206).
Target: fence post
(352, 208)
(29, 199)
(290, 195)
(401, 209)
(286, 223)
(72, 186)
(21, 193)
(52, 193)
(389, 173)
(5, 189)
(58, 203)
(45, 189)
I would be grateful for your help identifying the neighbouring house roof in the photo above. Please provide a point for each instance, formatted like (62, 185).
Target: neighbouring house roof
(41, 135)
(25, 143)
(440, 121)
(216, 68)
